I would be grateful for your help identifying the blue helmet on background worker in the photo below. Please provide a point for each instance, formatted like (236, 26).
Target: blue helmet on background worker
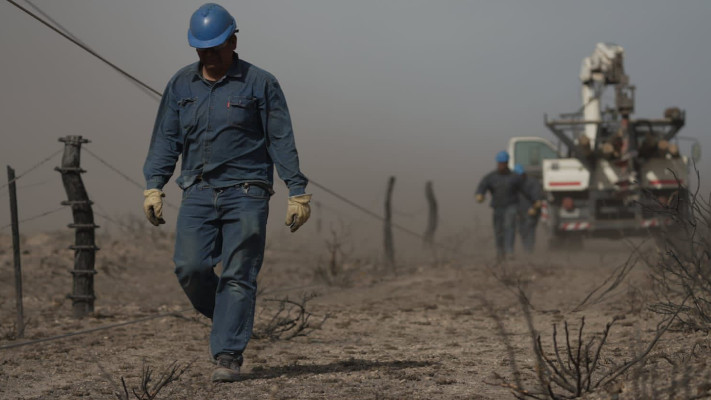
(518, 169)
(502, 156)
(210, 26)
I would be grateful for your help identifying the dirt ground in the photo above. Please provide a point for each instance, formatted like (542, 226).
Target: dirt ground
(425, 331)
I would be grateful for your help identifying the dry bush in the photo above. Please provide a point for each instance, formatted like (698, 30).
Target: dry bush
(683, 268)
(574, 367)
(338, 269)
(149, 388)
(290, 319)
(8, 332)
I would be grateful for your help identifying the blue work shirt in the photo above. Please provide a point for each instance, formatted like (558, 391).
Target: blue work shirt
(228, 132)
(534, 189)
(504, 188)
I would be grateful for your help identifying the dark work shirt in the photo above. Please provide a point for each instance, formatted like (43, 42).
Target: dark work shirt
(504, 188)
(228, 132)
(533, 188)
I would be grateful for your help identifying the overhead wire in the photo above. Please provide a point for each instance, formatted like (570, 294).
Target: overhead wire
(86, 48)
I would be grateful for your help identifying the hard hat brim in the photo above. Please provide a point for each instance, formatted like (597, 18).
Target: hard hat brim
(205, 44)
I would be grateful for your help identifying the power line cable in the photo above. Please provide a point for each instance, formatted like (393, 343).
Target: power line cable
(52, 20)
(86, 48)
(34, 167)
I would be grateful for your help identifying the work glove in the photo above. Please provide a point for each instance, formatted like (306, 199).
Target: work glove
(153, 206)
(533, 211)
(298, 211)
(479, 198)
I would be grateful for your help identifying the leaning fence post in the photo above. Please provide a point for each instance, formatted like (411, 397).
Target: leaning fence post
(16, 251)
(84, 247)
(388, 230)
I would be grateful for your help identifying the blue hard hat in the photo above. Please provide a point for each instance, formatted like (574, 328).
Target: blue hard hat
(518, 169)
(210, 26)
(502, 156)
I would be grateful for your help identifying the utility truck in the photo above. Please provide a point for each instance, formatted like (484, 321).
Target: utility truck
(608, 171)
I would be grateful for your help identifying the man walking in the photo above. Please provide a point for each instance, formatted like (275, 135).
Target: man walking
(504, 187)
(230, 123)
(528, 209)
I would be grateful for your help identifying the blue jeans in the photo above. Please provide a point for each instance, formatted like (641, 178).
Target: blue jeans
(228, 225)
(527, 229)
(505, 229)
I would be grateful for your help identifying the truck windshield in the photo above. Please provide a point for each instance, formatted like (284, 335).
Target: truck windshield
(532, 153)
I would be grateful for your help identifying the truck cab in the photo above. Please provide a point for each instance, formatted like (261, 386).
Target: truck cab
(530, 151)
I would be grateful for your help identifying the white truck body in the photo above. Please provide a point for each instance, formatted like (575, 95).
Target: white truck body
(603, 201)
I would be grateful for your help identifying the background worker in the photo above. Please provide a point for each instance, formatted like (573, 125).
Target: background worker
(504, 187)
(230, 123)
(528, 208)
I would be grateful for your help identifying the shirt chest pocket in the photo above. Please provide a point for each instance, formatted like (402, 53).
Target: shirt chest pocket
(242, 111)
(187, 113)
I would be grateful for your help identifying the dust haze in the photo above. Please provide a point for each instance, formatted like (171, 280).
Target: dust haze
(418, 90)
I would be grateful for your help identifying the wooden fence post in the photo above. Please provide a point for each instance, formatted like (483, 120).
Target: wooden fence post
(84, 247)
(16, 251)
(388, 230)
(432, 215)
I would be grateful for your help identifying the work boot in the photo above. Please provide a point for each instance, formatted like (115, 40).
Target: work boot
(213, 359)
(227, 368)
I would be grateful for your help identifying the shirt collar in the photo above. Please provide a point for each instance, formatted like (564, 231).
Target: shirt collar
(235, 70)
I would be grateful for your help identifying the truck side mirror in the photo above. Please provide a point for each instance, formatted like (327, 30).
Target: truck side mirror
(696, 152)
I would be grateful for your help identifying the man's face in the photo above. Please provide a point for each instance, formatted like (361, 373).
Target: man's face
(219, 57)
(502, 166)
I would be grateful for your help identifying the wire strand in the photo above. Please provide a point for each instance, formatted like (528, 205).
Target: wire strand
(124, 176)
(377, 216)
(34, 217)
(100, 328)
(113, 221)
(34, 167)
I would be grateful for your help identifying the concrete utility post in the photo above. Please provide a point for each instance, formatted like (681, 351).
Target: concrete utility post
(84, 247)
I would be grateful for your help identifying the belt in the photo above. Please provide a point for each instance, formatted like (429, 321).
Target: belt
(246, 185)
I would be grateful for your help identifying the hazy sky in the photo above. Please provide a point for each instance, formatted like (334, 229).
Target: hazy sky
(417, 89)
